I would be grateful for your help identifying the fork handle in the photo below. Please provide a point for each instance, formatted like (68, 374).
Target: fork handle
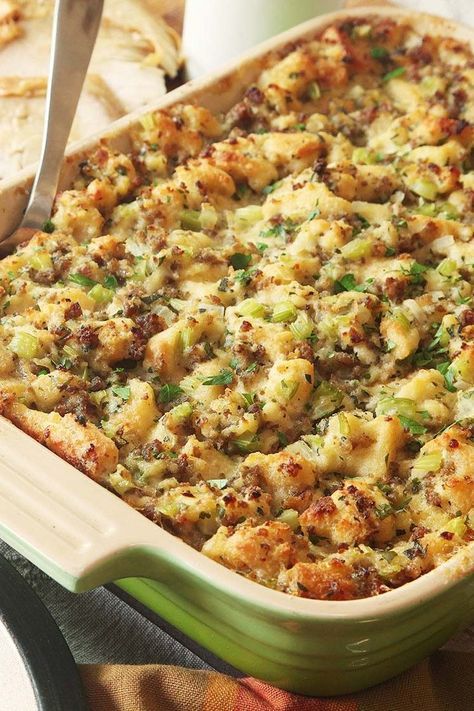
(75, 27)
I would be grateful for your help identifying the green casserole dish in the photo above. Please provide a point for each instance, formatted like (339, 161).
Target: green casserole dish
(308, 646)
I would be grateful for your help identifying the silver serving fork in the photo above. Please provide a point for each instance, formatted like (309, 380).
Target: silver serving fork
(75, 27)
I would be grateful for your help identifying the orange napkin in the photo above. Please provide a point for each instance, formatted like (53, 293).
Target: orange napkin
(444, 682)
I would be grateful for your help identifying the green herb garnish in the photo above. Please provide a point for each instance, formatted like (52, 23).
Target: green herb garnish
(169, 392)
(225, 377)
(398, 72)
(240, 261)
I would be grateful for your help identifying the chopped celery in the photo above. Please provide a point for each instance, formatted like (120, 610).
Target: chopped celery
(190, 220)
(448, 211)
(25, 345)
(447, 268)
(100, 294)
(208, 217)
(251, 307)
(314, 441)
(314, 92)
(290, 517)
(344, 428)
(140, 271)
(187, 338)
(156, 162)
(41, 261)
(462, 366)
(401, 318)
(302, 328)
(288, 388)
(148, 122)
(357, 248)
(432, 84)
(397, 406)
(248, 442)
(364, 156)
(327, 400)
(428, 462)
(284, 312)
(181, 412)
(457, 526)
(424, 187)
(428, 209)
(248, 216)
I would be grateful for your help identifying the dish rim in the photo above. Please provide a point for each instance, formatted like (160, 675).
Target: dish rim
(428, 586)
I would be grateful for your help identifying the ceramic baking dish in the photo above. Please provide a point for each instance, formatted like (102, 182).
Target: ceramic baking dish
(84, 536)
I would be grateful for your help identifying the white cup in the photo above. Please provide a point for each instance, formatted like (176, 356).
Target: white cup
(218, 30)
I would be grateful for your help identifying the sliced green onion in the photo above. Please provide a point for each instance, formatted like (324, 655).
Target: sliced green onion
(100, 294)
(302, 328)
(25, 345)
(327, 400)
(290, 517)
(428, 462)
(251, 307)
(284, 312)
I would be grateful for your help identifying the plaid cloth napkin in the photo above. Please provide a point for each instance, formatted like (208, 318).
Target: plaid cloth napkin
(444, 682)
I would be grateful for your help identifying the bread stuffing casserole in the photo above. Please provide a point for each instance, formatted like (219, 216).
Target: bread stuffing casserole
(257, 328)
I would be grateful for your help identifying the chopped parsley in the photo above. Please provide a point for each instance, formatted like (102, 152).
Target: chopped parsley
(412, 425)
(240, 261)
(348, 283)
(122, 391)
(169, 392)
(48, 227)
(82, 280)
(110, 282)
(225, 377)
(378, 53)
(398, 72)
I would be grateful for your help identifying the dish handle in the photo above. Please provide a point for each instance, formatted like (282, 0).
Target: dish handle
(66, 524)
